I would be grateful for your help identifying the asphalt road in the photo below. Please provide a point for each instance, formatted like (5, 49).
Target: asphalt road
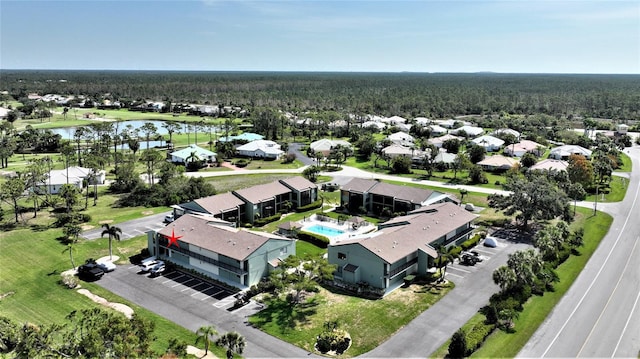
(600, 314)
(132, 228)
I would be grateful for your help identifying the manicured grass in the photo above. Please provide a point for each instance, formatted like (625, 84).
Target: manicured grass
(31, 262)
(627, 165)
(614, 193)
(305, 248)
(507, 345)
(235, 182)
(369, 322)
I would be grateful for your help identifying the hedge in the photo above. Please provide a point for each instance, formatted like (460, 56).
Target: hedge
(310, 206)
(262, 221)
(477, 335)
(316, 239)
(471, 242)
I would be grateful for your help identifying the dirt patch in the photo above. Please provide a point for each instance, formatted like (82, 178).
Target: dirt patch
(199, 352)
(86, 227)
(106, 221)
(147, 213)
(7, 294)
(124, 309)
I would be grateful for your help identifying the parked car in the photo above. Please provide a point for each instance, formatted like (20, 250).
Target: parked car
(469, 259)
(147, 266)
(107, 266)
(169, 218)
(90, 271)
(157, 270)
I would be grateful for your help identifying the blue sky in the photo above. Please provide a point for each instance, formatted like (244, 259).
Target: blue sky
(301, 35)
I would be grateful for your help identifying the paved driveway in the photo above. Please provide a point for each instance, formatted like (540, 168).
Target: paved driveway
(132, 228)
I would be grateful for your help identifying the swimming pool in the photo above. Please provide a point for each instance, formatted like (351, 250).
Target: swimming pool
(324, 231)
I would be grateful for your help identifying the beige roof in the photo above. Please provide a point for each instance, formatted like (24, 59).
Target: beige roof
(413, 232)
(298, 183)
(360, 185)
(219, 203)
(498, 161)
(231, 242)
(524, 145)
(289, 225)
(262, 192)
(442, 139)
(550, 164)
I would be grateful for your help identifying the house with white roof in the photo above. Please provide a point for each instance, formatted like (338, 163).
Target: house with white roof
(446, 123)
(488, 142)
(260, 149)
(422, 121)
(438, 141)
(325, 145)
(394, 120)
(395, 150)
(74, 175)
(193, 151)
(497, 163)
(563, 152)
(550, 165)
(471, 131)
(401, 138)
(379, 125)
(506, 131)
(438, 130)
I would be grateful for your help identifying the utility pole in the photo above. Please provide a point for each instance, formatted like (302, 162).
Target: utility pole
(595, 204)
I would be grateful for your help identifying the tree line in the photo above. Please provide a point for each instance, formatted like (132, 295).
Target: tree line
(437, 95)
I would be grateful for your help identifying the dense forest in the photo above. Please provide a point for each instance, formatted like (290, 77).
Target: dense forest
(435, 95)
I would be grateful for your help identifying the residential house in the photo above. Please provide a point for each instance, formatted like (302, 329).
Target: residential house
(497, 163)
(374, 196)
(489, 143)
(403, 246)
(438, 141)
(446, 123)
(263, 200)
(423, 121)
(74, 175)
(506, 131)
(395, 150)
(379, 125)
(471, 131)
(622, 129)
(394, 120)
(260, 149)
(438, 130)
(550, 165)
(563, 152)
(401, 138)
(193, 152)
(235, 256)
(245, 137)
(325, 145)
(522, 147)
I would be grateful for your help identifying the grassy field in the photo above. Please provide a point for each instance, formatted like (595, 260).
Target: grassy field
(369, 322)
(32, 261)
(507, 345)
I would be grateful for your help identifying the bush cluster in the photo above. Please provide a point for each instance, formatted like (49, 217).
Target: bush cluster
(241, 163)
(63, 219)
(333, 340)
(471, 242)
(310, 206)
(316, 239)
(266, 220)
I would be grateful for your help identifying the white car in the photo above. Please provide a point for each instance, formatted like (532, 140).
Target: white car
(158, 269)
(147, 266)
(107, 266)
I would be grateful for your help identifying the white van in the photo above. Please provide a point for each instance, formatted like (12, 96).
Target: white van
(148, 265)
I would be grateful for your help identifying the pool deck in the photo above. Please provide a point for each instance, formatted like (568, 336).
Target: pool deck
(345, 226)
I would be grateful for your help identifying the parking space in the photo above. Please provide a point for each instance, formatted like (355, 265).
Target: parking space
(459, 269)
(195, 287)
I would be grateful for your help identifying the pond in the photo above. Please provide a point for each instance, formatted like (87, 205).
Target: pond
(67, 132)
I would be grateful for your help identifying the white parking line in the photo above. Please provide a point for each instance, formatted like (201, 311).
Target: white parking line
(460, 269)
(173, 280)
(453, 274)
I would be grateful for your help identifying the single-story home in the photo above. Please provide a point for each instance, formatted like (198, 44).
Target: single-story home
(522, 147)
(471, 131)
(379, 125)
(563, 152)
(400, 247)
(235, 256)
(395, 150)
(401, 138)
(194, 152)
(260, 149)
(243, 137)
(394, 120)
(438, 130)
(374, 196)
(325, 145)
(497, 163)
(438, 141)
(550, 164)
(422, 121)
(506, 131)
(74, 175)
(489, 143)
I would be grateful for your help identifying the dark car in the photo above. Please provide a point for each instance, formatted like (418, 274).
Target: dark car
(90, 271)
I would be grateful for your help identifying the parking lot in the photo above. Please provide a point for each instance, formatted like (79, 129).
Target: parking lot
(457, 270)
(195, 287)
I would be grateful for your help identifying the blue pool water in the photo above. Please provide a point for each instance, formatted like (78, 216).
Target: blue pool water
(324, 231)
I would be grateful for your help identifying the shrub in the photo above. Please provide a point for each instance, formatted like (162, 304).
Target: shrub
(458, 345)
(289, 158)
(471, 242)
(316, 239)
(63, 219)
(455, 251)
(262, 221)
(69, 281)
(477, 335)
(310, 206)
(241, 163)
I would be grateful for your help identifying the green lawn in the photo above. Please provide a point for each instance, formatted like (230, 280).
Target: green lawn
(369, 322)
(305, 248)
(507, 345)
(627, 165)
(31, 262)
(614, 193)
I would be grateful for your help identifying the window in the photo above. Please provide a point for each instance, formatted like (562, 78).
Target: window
(342, 256)
(283, 250)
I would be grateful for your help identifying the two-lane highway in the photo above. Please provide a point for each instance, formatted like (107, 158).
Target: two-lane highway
(600, 315)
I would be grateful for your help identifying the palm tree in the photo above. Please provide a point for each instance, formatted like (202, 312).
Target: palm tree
(205, 333)
(234, 343)
(112, 232)
(504, 277)
(70, 249)
(444, 258)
